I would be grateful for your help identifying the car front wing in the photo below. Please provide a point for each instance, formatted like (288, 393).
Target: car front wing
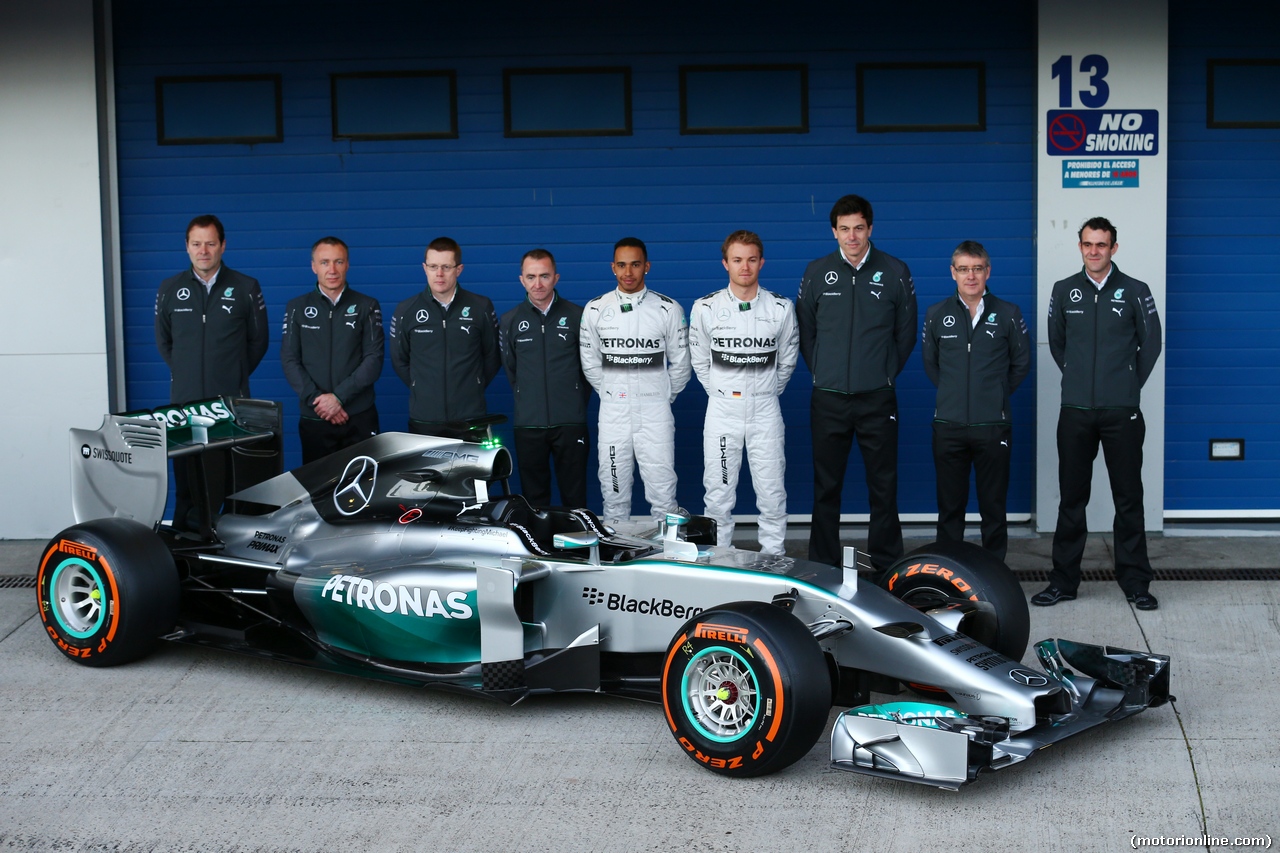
(1100, 684)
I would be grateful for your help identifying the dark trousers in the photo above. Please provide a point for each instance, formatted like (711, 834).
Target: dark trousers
(835, 420)
(320, 438)
(1121, 433)
(984, 448)
(536, 447)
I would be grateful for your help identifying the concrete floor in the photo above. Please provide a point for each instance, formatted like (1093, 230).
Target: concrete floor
(196, 750)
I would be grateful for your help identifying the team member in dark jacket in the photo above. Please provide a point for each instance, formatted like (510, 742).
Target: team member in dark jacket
(976, 350)
(211, 329)
(1104, 334)
(857, 316)
(540, 353)
(444, 346)
(332, 349)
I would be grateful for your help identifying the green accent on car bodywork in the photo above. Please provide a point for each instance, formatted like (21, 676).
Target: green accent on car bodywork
(447, 632)
(910, 713)
(721, 694)
(79, 583)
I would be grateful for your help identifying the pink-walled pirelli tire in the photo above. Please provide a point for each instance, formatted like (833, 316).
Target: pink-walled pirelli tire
(107, 589)
(745, 688)
(962, 570)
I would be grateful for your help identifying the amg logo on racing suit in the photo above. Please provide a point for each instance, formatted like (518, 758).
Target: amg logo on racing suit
(724, 460)
(723, 633)
(645, 606)
(363, 592)
(613, 467)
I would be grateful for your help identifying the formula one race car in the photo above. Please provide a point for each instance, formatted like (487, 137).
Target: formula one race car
(391, 560)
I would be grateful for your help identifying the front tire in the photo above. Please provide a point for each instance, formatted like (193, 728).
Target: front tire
(930, 575)
(746, 689)
(107, 589)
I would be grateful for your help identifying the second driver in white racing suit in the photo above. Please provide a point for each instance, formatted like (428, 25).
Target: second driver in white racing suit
(635, 353)
(744, 343)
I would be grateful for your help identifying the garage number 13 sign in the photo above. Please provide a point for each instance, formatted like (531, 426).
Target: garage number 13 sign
(1087, 125)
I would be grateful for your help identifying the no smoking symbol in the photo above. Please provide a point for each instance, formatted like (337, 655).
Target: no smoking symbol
(1066, 132)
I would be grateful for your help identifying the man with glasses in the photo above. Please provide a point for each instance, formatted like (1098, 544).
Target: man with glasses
(540, 353)
(635, 353)
(857, 316)
(444, 346)
(1104, 335)
(977, 351)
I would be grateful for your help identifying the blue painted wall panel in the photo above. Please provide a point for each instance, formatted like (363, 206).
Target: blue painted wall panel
(1223, 313)
(576, 196)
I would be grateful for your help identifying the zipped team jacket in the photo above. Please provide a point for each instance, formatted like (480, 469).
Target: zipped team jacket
(333, 349)
(446, 357)
(211, 341)
(540, 354)
(857, 327)
(976, 368)
(1105, 342)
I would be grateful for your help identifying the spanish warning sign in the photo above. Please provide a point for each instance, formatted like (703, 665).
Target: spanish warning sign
(1072, 133)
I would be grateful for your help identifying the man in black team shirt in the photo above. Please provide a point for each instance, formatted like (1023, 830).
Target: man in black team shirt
(211, 329)
(1104, 335)
(857, 316)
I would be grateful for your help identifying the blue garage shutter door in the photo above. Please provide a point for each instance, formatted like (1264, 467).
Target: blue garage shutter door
(576, 196)
(1223, 355)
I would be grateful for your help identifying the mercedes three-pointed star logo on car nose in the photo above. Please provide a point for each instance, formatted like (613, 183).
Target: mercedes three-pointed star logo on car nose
(355, 486)
(1028, 678)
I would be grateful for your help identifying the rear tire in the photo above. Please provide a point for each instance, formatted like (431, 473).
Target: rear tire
(745, 688)
(107, 589)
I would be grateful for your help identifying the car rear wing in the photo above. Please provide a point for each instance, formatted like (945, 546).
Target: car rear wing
(121, 469)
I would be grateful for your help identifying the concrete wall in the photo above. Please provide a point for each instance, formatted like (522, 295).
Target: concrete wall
(53, 366)
(1135, 42)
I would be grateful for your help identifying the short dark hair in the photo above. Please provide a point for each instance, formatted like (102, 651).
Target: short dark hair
(849, 205)
(204, 221)
(445, 244)
(329, 241)
(746, 238)
(1098, 223)
(973, 249)
(633, 243)
(539, 255)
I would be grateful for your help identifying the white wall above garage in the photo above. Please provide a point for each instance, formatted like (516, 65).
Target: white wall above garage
(53, 350)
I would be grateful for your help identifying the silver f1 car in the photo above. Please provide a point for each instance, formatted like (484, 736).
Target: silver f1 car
(392, 560)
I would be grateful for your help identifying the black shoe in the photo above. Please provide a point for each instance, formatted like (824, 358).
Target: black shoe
(1050, 596)
(1142, 600)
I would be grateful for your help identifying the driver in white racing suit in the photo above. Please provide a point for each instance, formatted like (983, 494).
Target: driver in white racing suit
(744, 343)
(635, 353)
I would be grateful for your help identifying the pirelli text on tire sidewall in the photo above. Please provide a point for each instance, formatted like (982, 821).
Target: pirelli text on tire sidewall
(745, 688)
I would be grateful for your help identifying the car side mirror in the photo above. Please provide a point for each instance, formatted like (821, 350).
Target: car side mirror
(573, 541)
